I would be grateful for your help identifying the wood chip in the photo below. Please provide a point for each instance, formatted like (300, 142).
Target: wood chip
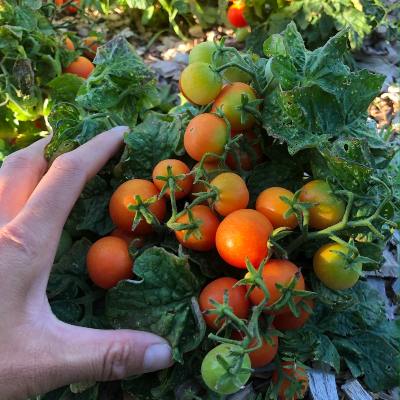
(322, 385)
(354, 391)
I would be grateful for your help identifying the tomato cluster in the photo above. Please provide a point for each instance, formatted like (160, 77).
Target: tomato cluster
(209, 208)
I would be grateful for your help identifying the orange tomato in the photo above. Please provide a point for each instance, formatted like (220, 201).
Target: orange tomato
(92, 42)
(108, 261)
(69, 44)
(270, 204)
(71, 9)
(81, 67)
(293, 371)
(125, 195)
(128, 237)
(287, 321)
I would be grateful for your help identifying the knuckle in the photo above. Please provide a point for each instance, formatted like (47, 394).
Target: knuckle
(69, 165)
(116, 360)
(21, 239)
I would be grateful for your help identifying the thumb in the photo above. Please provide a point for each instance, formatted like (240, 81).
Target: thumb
(101, 355)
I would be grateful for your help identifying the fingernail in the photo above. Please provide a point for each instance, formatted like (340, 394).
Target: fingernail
(157, 356)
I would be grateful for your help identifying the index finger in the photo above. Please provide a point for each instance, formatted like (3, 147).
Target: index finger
(51, 202)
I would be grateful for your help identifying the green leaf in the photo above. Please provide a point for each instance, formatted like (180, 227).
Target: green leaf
(326, 353)
(158, 137)
(162, 301)
(64, 88)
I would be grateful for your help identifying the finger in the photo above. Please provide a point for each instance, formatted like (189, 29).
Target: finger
(48, 207)
(19, 175)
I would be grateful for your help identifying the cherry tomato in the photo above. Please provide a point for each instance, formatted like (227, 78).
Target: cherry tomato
(270, 204)
(125, 195)
(108, 261)
(329, 209)
(71, 9)
(230, 101)
(92, 42)
(128, 237)
(332, 269)
(287, 389)
(81, 67)
(200, 187)
(235, 15)
(243, 235)
(203, 238)
(250, 152)
(69, 44)
(215, 290)
(200, 84)
(277, 272)
(231, 74)
(205, 133)
(212, 371)
(203, 52)
(232, 193)
(177, 168)
(287, 321)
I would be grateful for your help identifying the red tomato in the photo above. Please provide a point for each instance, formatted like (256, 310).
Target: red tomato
(71, 9)
(208, 224)
(230, 101)
(128, 237)
(287, 321)
(270, 204)
(243, 235)
(232, 193)
(177, 168)
(277, 272)
(108, 261)
(81, 67)
(293, 371)
(235, 15)
(125, 195)
(206, 133)
(250, 153)
(69, 44)
(92, 42)
(215, 290)
(329, 209)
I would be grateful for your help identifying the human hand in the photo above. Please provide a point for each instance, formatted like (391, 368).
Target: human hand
(37, 351)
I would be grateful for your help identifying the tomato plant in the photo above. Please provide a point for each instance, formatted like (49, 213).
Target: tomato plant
(235, 15)
(270, 203)
(92, 43)
(82, 67)
(288, 321)
(199, 83)
(334, 267)
(72, 9)
(213, 371)
(328, 209)
(108, 262)
(202, 227)
(69, 44)
(230, 102)
(210, 168)
(294, 382)
(231, 193)
(136, 198)
(243, 235)
(205, 133)
(215, 291)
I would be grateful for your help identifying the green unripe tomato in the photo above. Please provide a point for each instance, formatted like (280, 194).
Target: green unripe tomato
(241, 34)
(200, 84)
(203, 52)
(212, 371)
(332, 269)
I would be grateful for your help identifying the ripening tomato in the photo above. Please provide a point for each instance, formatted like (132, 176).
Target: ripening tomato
(230, 101)
(81, 67)
(270, 204)
(231, 74)
(232, 193)
(177, 168)
(108, 261)
(235, 15)
(287, 321)
(200, 187)
(200, 84)
(215, 290)
(72, 9)
(203, 52)
(332, 268)
(288, 390)
(201, 238)
(125, 195)
(129, 237)
(329, 209)
(92, 43)
(243, 235)
(277, 272)
(212, 371)
(69, 44)
(250, 152)
(205, 133)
